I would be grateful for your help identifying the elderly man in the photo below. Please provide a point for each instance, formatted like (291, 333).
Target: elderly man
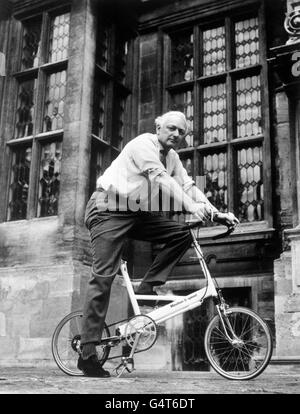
(127, 204)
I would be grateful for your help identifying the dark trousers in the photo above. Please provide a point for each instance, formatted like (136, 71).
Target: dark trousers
(109, 231)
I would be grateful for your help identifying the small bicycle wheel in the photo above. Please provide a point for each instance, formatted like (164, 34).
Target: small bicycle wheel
(248, 349)
(66, 344)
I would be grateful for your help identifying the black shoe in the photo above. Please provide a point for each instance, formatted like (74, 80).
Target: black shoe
(91, 367)
(146, 289)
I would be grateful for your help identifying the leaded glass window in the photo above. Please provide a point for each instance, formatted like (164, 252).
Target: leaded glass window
(102, 52)
(31, 44)
(121, 58)
(184, 102)
(250, 181)
(19, 183)
(215, 173)
(111, 94)
(97, 164)
(59, 38)
(50, 168)
(248, 106)
(118, 128)
(246, 42)
(100, 107)
(25, 109)
(182, 57)
(188, 165)
(41, 80)
(54, 103)
(216, 77)
(214, 113)
(214, 51)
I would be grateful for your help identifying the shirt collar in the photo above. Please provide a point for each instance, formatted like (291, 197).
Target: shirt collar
(160, 147)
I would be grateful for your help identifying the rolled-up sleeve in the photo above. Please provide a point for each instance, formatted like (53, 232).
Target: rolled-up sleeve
(144, 155)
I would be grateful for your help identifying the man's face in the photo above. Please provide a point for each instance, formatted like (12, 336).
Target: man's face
(171, 132)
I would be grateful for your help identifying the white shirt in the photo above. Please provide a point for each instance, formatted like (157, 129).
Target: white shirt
(137, 173)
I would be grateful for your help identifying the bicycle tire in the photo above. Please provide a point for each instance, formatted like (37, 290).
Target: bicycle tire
(246, 358)
(65, 338)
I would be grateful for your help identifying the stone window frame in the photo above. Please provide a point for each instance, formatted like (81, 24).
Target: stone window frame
(40, 72)
(200, 23)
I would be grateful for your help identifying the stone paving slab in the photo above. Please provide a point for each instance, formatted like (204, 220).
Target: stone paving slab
(48, 380)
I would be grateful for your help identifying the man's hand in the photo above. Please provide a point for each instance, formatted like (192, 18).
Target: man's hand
(228, 219)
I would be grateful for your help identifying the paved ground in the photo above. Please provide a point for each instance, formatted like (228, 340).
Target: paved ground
(50, 380)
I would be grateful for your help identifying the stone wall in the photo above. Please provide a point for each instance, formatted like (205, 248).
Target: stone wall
(39, 284)
(287, 266)
(287, 308)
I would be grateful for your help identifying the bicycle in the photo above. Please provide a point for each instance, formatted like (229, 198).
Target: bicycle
(237, 341)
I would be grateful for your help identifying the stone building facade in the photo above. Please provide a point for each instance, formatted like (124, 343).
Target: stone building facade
(284, 63)
(84, 77)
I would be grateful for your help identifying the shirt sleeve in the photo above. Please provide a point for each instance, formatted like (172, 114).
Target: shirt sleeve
(199, 197)
(144, 154)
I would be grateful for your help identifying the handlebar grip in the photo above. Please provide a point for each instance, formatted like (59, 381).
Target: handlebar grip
(217, 236)
(224, 234)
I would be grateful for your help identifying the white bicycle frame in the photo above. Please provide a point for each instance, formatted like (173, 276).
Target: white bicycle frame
(179, 304)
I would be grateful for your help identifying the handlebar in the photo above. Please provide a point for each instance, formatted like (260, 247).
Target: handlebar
(217, 236)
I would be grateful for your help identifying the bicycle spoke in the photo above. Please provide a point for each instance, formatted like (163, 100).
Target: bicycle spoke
(243, 351)
(220, 348)
(240, 360)
(244, 326)
(252, 346)
(229, 354)
(250, 329)
(220, 334)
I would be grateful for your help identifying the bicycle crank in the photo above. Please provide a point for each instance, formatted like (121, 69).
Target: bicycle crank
(145, 328)
(127, 364)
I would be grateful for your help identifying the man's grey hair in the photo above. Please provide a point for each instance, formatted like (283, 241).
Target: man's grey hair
(161, 119)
